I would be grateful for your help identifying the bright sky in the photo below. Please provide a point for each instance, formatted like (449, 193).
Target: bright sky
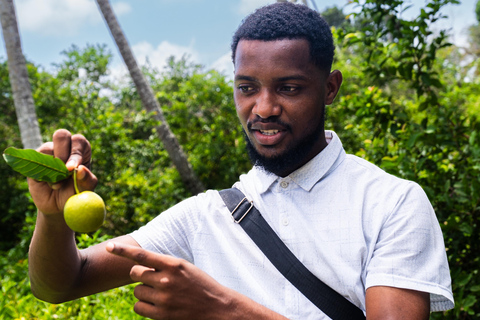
(158, 29)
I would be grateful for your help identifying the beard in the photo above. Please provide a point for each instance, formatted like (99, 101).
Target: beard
(289, 160)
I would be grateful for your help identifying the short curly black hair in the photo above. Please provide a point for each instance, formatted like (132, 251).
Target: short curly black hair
(286, 20)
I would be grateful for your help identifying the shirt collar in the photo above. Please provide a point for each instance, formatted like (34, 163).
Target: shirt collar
(313, 171)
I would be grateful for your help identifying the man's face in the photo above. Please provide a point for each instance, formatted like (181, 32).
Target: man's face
(280, 97)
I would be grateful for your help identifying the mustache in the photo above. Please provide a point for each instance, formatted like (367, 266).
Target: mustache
(275, 120)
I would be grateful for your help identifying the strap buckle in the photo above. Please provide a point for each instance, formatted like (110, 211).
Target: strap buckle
(238, 206)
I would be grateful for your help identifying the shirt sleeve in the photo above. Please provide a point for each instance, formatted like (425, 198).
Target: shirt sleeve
(170, 232)
(410, 252)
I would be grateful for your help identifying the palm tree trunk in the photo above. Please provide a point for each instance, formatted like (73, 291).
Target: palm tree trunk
(17, 69)
(174, 149)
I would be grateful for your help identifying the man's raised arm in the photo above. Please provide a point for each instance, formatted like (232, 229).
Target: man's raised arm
(58, 270)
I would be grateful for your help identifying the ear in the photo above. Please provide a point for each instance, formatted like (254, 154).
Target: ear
(334, 81)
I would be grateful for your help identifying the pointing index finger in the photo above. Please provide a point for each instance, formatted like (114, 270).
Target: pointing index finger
(137, 254)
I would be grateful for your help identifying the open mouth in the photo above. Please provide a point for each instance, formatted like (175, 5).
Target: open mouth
(268, 137)
(269, 132)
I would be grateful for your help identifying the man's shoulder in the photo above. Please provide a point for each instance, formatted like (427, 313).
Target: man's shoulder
(367, 173)
(353, 162)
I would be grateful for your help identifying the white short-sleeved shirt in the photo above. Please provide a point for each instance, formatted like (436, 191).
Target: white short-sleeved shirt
(350, 223)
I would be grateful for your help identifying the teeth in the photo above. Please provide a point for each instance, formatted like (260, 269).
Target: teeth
(269, 132)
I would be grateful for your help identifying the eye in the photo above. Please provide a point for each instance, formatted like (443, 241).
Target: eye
(289, 89)
(245, 88)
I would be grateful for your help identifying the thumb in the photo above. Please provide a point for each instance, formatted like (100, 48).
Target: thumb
(86, 180)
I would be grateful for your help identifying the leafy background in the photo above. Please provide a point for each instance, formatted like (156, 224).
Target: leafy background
(409, 103)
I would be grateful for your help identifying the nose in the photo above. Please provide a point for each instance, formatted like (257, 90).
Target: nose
(266, 105)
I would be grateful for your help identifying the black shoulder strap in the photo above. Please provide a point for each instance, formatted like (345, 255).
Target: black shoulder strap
(325, 298)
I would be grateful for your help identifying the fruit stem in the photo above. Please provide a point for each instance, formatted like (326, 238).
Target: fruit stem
(75, 180)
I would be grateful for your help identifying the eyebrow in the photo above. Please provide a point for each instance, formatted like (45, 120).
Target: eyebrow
(246, 78)
(281, 79)
(292, 77)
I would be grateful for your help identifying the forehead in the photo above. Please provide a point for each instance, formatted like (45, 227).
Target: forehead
(285, 55)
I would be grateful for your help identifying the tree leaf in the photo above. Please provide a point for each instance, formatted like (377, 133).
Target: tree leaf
(36, 165)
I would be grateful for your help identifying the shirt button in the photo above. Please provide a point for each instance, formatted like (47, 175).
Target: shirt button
(284, 184)
(285, 222)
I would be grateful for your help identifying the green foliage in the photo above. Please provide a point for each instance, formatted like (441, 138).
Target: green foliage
(410, 111)
(474, 45)
(14, 197)
(335, 17)
(93, 60)
(477, 11)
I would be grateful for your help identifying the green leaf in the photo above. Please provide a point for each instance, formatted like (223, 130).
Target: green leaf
(475, 288)
(463, 279)
(466, 228)
(36, 165)
(413, 138)
(469, 301)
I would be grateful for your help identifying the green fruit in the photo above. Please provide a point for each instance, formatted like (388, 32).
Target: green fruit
(84, 212)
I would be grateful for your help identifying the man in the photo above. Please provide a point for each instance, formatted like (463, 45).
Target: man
(370, 236)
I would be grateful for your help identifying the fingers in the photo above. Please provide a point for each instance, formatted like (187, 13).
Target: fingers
(137, 254)
(150, 276)
(46, 148)
(171, 288)
(80, 153)
(148, 310)
(76, 152)
(158, 303)
(62, 144)
(73, 150)
(86, 180)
